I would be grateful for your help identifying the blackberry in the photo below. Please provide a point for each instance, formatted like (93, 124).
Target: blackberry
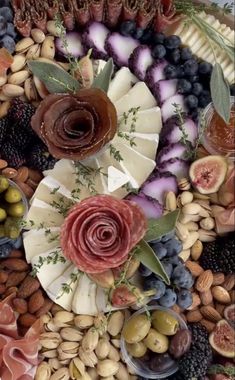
(12, 155)
(219, 255)
(39, 158)
(5, 250)
(3, 128)
(20, 113)
(19, 137)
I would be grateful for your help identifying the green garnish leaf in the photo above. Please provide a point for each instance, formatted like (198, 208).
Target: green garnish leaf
(56, 79)
(103, 78)
(162, 226)
(218, 368)
(220, 93)
(147, 257)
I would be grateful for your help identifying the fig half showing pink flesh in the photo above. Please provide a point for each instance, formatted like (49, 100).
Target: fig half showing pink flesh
(222, 339)
(208, 173)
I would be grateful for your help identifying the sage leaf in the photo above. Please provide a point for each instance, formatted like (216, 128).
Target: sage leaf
(147, 257)
(161, 226)
(56, 79)
(103, 79)
(220, 93)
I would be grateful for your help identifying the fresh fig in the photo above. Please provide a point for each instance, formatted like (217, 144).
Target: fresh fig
(208, 173)
(222, 339)
(229, 314)
(104, 279)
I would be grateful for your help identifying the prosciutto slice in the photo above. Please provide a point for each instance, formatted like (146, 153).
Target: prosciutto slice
(165, 15)
(146, 13)
(66, 10)
(130, 9)
(113, 12)
(97, 10)
(81, 11)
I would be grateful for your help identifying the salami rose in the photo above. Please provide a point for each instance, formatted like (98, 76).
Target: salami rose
(75, 126)
(99, 232)
(165, 15)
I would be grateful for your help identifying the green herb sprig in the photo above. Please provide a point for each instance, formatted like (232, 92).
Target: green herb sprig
(53, 258)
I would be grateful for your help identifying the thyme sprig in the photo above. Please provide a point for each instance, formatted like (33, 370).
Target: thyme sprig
(66, 287)
(85, 176)
(53, 258)
(192, 8)
(62, 206)
(115, 153)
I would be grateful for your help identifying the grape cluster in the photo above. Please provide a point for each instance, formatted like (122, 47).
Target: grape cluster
(167, 250)
(8, 34)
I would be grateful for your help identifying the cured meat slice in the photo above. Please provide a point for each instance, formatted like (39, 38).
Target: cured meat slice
(97, 10)
(130, 9)
(165, 15)
(146, 13)
(8, 325)
(81, 11)
(22, 22)
(66, 11)
(113, 12)
(100, 231)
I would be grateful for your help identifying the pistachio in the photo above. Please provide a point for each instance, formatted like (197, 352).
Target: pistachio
(19, 61)
(184, 184)
(115, 323)
(12, 90)
(43, 371)
(90, 340)
(71, 334)
(48, 48)
(200, 196)
(52, 28)
(122, 373)
(88, 358)
(54, 364)
(100, 323)
(65, 362)
(45, 318)
(83, 321)
(191, 226)
(51, 326)
(114, 354)
(33, 52)
(30, 90)
(76, 368)
(4, 97)
(207, 223)
(55, 308)
(191, 208)
(61, 374)
(170, 201)
(107, 378)
(37, 35)
(24, 44)
(186, 197)
(67, 350)
(186, 218)
(181, 231)
(103, 348)
(116, 343)
(206, 236)
(50, 340)
(41, 88)
(3, 80)
(107, 367)
(63, 317)
(92, 373)
(50, 354)
(192, 237)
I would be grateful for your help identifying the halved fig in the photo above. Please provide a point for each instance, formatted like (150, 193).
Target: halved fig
(222, 339)
(208, 173)
(229, 314)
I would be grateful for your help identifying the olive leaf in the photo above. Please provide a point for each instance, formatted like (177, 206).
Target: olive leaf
(56, 79)
(218, 368)
(220, 93)
(161, 226)
(147, 257)
(102, 80)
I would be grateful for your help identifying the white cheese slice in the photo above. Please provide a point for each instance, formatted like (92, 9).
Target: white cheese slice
(55, 288)
(49, 190)
(50, 271)
(147, 121)
(116, 179)
(121, 84)
(102, 300)
(145, 144)
(63, 172)
(39, 241)
(84, 299)
(138, 96)
(99, 185)
(41, 214)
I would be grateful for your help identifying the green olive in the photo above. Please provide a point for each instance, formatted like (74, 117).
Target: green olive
(16, 209)
(136, 328)
(137, 349)
(2, 231)
(164, 322)
(4, 183)
(11, 228)
(3, 214)
(156, 342)
(13, 195)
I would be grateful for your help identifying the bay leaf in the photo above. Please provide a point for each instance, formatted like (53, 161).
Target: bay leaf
(103, 79)
(220, 93)
(56, 79)
(147, 257)
(161, 226)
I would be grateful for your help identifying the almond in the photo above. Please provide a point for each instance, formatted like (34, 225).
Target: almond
(20, 305)
(194, 268)
(18, 265)
(45, 308)
(3, 277)
(27, 319)
(208, 325)
(196, 301)
(210, 313)
(206, 297)
(218, 278)
(12, 289)
(229, 282)
(204, 281)
(35, 175)
(27, 190)
(194, 316)
(16, 253)
(221, 295)
(23, 173)
(36, 301)
(28, 287)
(220, 308)
(232, 295)
(2, 289)
(15, 278)
(196, 250)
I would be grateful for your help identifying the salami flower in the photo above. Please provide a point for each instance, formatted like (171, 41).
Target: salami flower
(100, 231)
(75, 126)
(165, 15)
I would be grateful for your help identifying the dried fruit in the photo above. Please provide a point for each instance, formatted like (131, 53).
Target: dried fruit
(208, 173)
(204, 281)
(229, 314)
(220, 294)
(180, 343)
(222, 339)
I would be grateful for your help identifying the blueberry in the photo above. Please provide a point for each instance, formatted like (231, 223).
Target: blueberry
(168, 267)
(147, 36)
(11, 30)
(184, 299)
(144, 271)
(180, 71)
(181, 277)
(193, 78)
(168, 236)
(7, 13)
(160, 288)
(184, 86)
(158, 52)
(170, 72)
(127, 28)
(190, 67)
(191, 101)
(205, 68)
(232, 89)
(158, 38)
(204, 99)
(8, 43)
(194, 115)
(175, 260)
(169, 298)
(197, 88)
(5, 3)
(188, 282)
(3, 26)
(159, 250)
(172, 42)
(5, 250)
(150, 282)
(173, 247)
(174, 56)
(138, 33)
(186, 54)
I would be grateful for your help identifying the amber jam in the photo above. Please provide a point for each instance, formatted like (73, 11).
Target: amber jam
(219, 137)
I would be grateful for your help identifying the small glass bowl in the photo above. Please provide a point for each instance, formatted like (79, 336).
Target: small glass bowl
(140, 368)
(5, 240)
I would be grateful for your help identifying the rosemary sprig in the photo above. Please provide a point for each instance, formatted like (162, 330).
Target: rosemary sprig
(53, 258)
